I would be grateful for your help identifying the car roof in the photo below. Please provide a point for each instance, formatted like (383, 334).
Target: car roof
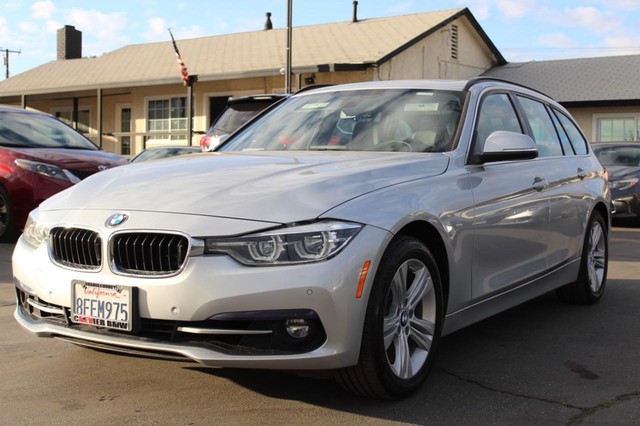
(6, 108)
(393, 84)
(273, 97)
(616, 144)
(452, 85)
(172, 146)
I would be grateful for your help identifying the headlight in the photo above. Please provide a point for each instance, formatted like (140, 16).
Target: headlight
(297, 244)
(35, 233)
(624, 184)
(48, 170)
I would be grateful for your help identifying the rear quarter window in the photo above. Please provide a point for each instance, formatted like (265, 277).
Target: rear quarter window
(578, 142)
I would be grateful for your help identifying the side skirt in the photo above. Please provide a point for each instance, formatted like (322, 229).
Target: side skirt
(566, 274)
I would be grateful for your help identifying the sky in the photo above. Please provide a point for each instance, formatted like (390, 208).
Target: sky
(522, 30)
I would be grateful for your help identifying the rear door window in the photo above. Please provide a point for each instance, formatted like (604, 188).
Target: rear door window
(544, 132)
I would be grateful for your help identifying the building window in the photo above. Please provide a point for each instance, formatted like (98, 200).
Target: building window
(125, 127)
(619, 128)
(167, 118)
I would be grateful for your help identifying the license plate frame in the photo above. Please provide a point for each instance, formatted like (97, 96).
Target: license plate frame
(103, 305)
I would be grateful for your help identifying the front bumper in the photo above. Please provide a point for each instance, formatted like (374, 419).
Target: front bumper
(626, 206)
(236, 311)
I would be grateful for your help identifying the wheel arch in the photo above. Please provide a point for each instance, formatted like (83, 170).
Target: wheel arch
(604, 210)
(429, 235)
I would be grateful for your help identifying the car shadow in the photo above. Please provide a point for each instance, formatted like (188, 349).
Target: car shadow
(625, 223)
(477, 368)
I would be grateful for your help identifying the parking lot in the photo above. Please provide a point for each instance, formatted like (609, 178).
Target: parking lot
(543, 362)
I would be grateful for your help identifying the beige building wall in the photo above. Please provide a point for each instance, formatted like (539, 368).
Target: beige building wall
(440, 56)
(587, 117)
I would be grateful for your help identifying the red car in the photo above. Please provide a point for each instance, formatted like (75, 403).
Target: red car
(40, 156)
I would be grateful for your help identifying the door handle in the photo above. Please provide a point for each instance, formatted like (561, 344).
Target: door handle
(539, 183)
(582, 173)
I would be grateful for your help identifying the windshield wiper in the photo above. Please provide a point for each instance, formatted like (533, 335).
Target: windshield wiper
(327, 148)
(15, 145)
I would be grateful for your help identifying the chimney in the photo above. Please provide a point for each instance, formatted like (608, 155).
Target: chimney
(69, 43)
(268, 25)
(355, 12)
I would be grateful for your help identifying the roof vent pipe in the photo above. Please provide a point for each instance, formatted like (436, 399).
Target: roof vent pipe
(355, 12)
(268, 25)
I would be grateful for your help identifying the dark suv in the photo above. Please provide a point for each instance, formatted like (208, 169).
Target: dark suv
(238, 111)
(40, 156)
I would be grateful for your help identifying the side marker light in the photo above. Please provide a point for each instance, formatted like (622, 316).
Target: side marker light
(363, 278)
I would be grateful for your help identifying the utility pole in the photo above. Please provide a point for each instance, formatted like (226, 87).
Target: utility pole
(6, 58)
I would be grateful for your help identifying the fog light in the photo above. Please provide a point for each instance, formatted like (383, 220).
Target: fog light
(297, 328)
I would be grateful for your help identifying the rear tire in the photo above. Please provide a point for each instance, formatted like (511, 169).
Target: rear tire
(592, 277)
(8, 231)
(402, 326)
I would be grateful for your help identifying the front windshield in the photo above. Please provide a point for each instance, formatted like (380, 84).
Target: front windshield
(22, 130)
(418, 120)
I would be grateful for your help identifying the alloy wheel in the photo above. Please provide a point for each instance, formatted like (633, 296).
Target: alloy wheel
(409, 323)
(596, 257)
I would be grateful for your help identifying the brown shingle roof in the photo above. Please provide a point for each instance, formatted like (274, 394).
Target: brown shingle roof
(257, 53)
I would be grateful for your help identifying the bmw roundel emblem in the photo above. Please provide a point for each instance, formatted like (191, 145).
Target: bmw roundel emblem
(117, 219)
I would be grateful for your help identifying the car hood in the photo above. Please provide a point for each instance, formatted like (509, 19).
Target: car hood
(282, 188)
(622, 172)
(70, 159)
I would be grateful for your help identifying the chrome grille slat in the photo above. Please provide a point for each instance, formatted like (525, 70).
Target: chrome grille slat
(76, 240)
(131, 253)
(76, 248)
(148, 253)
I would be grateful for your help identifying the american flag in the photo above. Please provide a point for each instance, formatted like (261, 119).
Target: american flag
(184, 74)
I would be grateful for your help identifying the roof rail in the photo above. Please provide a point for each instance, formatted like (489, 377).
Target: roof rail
(481, 79)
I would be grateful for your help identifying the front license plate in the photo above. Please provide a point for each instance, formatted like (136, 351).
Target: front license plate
(102, 305)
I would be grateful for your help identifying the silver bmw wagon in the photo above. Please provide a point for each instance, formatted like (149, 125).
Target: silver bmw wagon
(347, 229)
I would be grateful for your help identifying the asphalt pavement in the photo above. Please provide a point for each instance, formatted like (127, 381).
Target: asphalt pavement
(541, 363)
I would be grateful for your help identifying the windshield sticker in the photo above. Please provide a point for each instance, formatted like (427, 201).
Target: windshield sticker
(422, 107)
(315, 105)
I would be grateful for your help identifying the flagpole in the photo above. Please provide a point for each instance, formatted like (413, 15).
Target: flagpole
(189, 114)
(289, 36)
(187, 81)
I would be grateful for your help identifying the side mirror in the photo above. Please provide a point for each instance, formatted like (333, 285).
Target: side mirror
(506, 146)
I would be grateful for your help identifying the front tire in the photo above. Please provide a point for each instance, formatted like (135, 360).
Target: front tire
(592, 277)
(402, 326)
(8, 231)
